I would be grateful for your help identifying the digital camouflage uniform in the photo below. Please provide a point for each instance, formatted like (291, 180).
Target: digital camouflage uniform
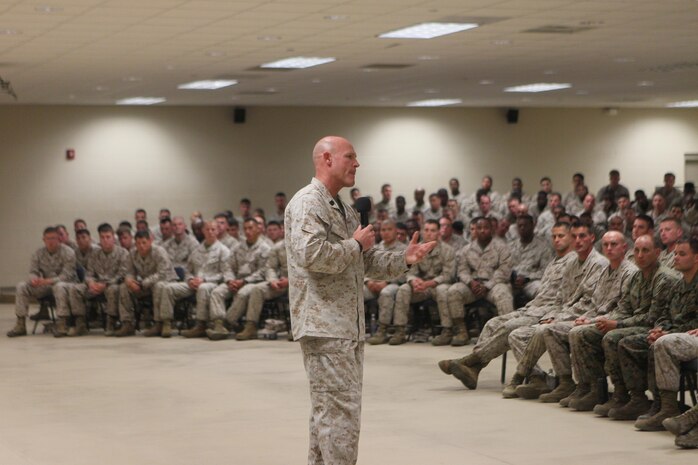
(179, 251)
(612, 285)
(208, 263)
(494, 338)
(679, 316)
(246, 262)
(108, 268)
(386, 297)
(153, 272)
(490, 266)
(440, 266)
(59, 267)
(529, 261)
(575, 294)
(326, 271)
(275, 269)
(669, 351)
(594, 354)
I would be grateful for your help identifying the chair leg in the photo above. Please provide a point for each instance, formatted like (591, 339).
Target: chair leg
(504, 368)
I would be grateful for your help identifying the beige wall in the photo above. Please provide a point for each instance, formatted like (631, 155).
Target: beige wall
(193, 158)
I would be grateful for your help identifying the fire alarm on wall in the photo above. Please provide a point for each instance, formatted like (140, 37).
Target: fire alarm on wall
(70, 154)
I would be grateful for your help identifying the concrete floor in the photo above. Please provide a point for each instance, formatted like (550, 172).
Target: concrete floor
(96, 400)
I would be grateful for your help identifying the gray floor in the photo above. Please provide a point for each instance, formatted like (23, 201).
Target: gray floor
(96, 400)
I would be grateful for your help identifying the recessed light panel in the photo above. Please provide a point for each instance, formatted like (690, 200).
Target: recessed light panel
(435, 102)
(684, 104)
(207, 84)
(298, 62)
(427, 30)
(140, 101)
(538, 87)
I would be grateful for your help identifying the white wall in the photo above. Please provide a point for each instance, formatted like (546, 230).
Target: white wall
(195, 158)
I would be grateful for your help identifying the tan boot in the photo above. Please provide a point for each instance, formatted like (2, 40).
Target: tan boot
(461, 336)
(126, 329)
(587, 402)
(688, 440)
(219, 332)
(638, 405)
(109, 330)
(444, 338)
(683, 423)
(61, 327)
(564, 389)
(80, 328)
(399, 336)
(166, 331)
(619, 398)
(20, 328)
(509, 391)
(199, 330)
(154, 330)
(534, 388)
(381, 336)
(581, 390)
(250, 332)
(670, 409)
(467, 375)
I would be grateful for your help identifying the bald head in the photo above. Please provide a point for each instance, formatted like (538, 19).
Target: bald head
(335, 163)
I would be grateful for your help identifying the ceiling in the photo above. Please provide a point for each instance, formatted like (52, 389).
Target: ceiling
(625, 53)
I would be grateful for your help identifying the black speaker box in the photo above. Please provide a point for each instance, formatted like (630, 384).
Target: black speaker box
(512, 115)
(239, 115)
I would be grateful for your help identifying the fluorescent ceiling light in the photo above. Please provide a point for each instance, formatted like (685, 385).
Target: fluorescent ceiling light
(539, 87)
(298, 62)
(140, 101)
(435, 102)
(427, 30)
(208, 84)
(684, 104)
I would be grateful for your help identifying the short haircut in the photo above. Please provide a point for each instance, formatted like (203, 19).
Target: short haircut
(578, 175)
(79, 220)
(388, 222)
(125, 224)
(676, 222)
(384, 186)
(431, 221)
(433, 194)
(82, 232)
(143, 234)
(445, 218)
(251, 220)
(165, 210)
(458, 227)
(476, 219)
(400, 225)
(60, 226)
(166, 219)
(221, 215)
(105, 227)
(647, 219)
(669, 173)
(526, 217)
(623, 195)
(582, 224)
(245, 201)
(281, 194)
(123, 230)
(140, 210)
(273, 223)
(140, 222)
(50, 230)
(545, 178)
(614, 173)
(693, 243)
(562, 224)
(556, 194)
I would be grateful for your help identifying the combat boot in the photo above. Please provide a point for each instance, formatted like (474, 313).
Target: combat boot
(444, 338)
(536, 386)
(654, 408)
(218, 333)
(199, 330)
(166, 329)
(670, 409)
(109, 330)
(80, 328)
(399, 336)
(564, 389)
(381, 336)
(467, 375)
(461, 336)
(587, 402)
(688, 440)
(126, 329)
(509, 391)
(154, 330)
(250, 332)
(20, 328)
(61, 327)
(639, 404)
(469, 360)
(683, 423)
(619, 398)
(580, 391)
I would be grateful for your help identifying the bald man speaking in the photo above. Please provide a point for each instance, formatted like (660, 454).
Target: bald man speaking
(328, 254)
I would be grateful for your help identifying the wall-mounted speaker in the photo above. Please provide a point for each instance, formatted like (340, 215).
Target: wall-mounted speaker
(239, 115)
(513, 115)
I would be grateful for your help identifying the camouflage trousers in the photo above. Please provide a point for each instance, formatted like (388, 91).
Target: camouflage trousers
(261, 293)
(557, 343)
(528, 346)
(405, 296)
(126, 308)
(25, 291)
(79, 293)
(669, 352)
(494, 337)
(459, 294)
(386, 302)
(595, 355)
(634, 356)
(335, 373)
(178, 291)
